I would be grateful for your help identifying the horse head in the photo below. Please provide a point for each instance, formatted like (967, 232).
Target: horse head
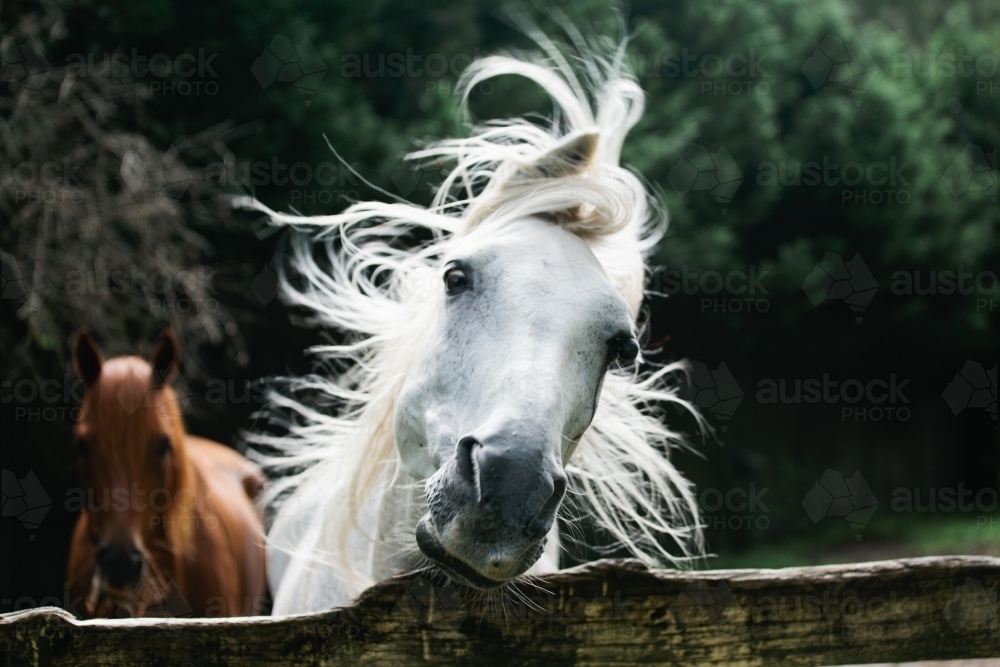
(489, 355)
(507, 382)
(130, 449)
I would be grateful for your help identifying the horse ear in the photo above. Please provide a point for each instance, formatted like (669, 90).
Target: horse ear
(87, 359)
(571, 155)
(165, 359)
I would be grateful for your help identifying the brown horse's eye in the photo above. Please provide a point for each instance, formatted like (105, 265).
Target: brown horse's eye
(456, 280)
(82, 448)
(163, 447)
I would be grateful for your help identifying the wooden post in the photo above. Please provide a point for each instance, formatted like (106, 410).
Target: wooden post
(612, 612)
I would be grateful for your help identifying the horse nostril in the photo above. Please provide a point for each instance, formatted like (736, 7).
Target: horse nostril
(466, 463)
(121, 566)
(135, 564)
(548, 511)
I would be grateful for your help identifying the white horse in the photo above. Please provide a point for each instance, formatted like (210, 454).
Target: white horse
(489, 381)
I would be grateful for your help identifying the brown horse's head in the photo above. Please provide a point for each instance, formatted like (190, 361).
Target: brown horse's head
(133, 470)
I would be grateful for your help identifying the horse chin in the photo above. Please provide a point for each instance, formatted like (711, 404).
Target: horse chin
(107, 601)
(104, 601)
(457, 569)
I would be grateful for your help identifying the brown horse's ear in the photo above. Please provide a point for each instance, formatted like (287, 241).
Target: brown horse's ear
(165, 360)
(87, 359)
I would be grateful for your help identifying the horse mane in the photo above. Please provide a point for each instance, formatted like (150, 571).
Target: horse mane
(361, 272)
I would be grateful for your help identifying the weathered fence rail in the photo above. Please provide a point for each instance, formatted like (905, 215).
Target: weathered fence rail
(603, 613)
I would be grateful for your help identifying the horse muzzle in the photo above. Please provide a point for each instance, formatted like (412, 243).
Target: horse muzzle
(491, 508)
(120, 567)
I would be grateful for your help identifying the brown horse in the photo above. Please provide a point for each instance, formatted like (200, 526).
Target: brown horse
(168, 525)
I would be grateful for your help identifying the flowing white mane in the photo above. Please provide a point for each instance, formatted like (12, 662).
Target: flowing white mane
(364, 273)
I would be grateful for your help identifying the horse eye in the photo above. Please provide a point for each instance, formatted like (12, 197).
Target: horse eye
(163, 446)
(628, 349)
(455, 280)
(82, 448)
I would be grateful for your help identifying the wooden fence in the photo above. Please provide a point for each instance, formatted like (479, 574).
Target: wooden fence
(611, 612)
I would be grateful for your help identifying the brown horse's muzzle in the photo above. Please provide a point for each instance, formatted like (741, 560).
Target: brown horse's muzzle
(120, 566)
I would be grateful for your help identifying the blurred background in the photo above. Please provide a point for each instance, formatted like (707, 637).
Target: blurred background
(829, 167)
